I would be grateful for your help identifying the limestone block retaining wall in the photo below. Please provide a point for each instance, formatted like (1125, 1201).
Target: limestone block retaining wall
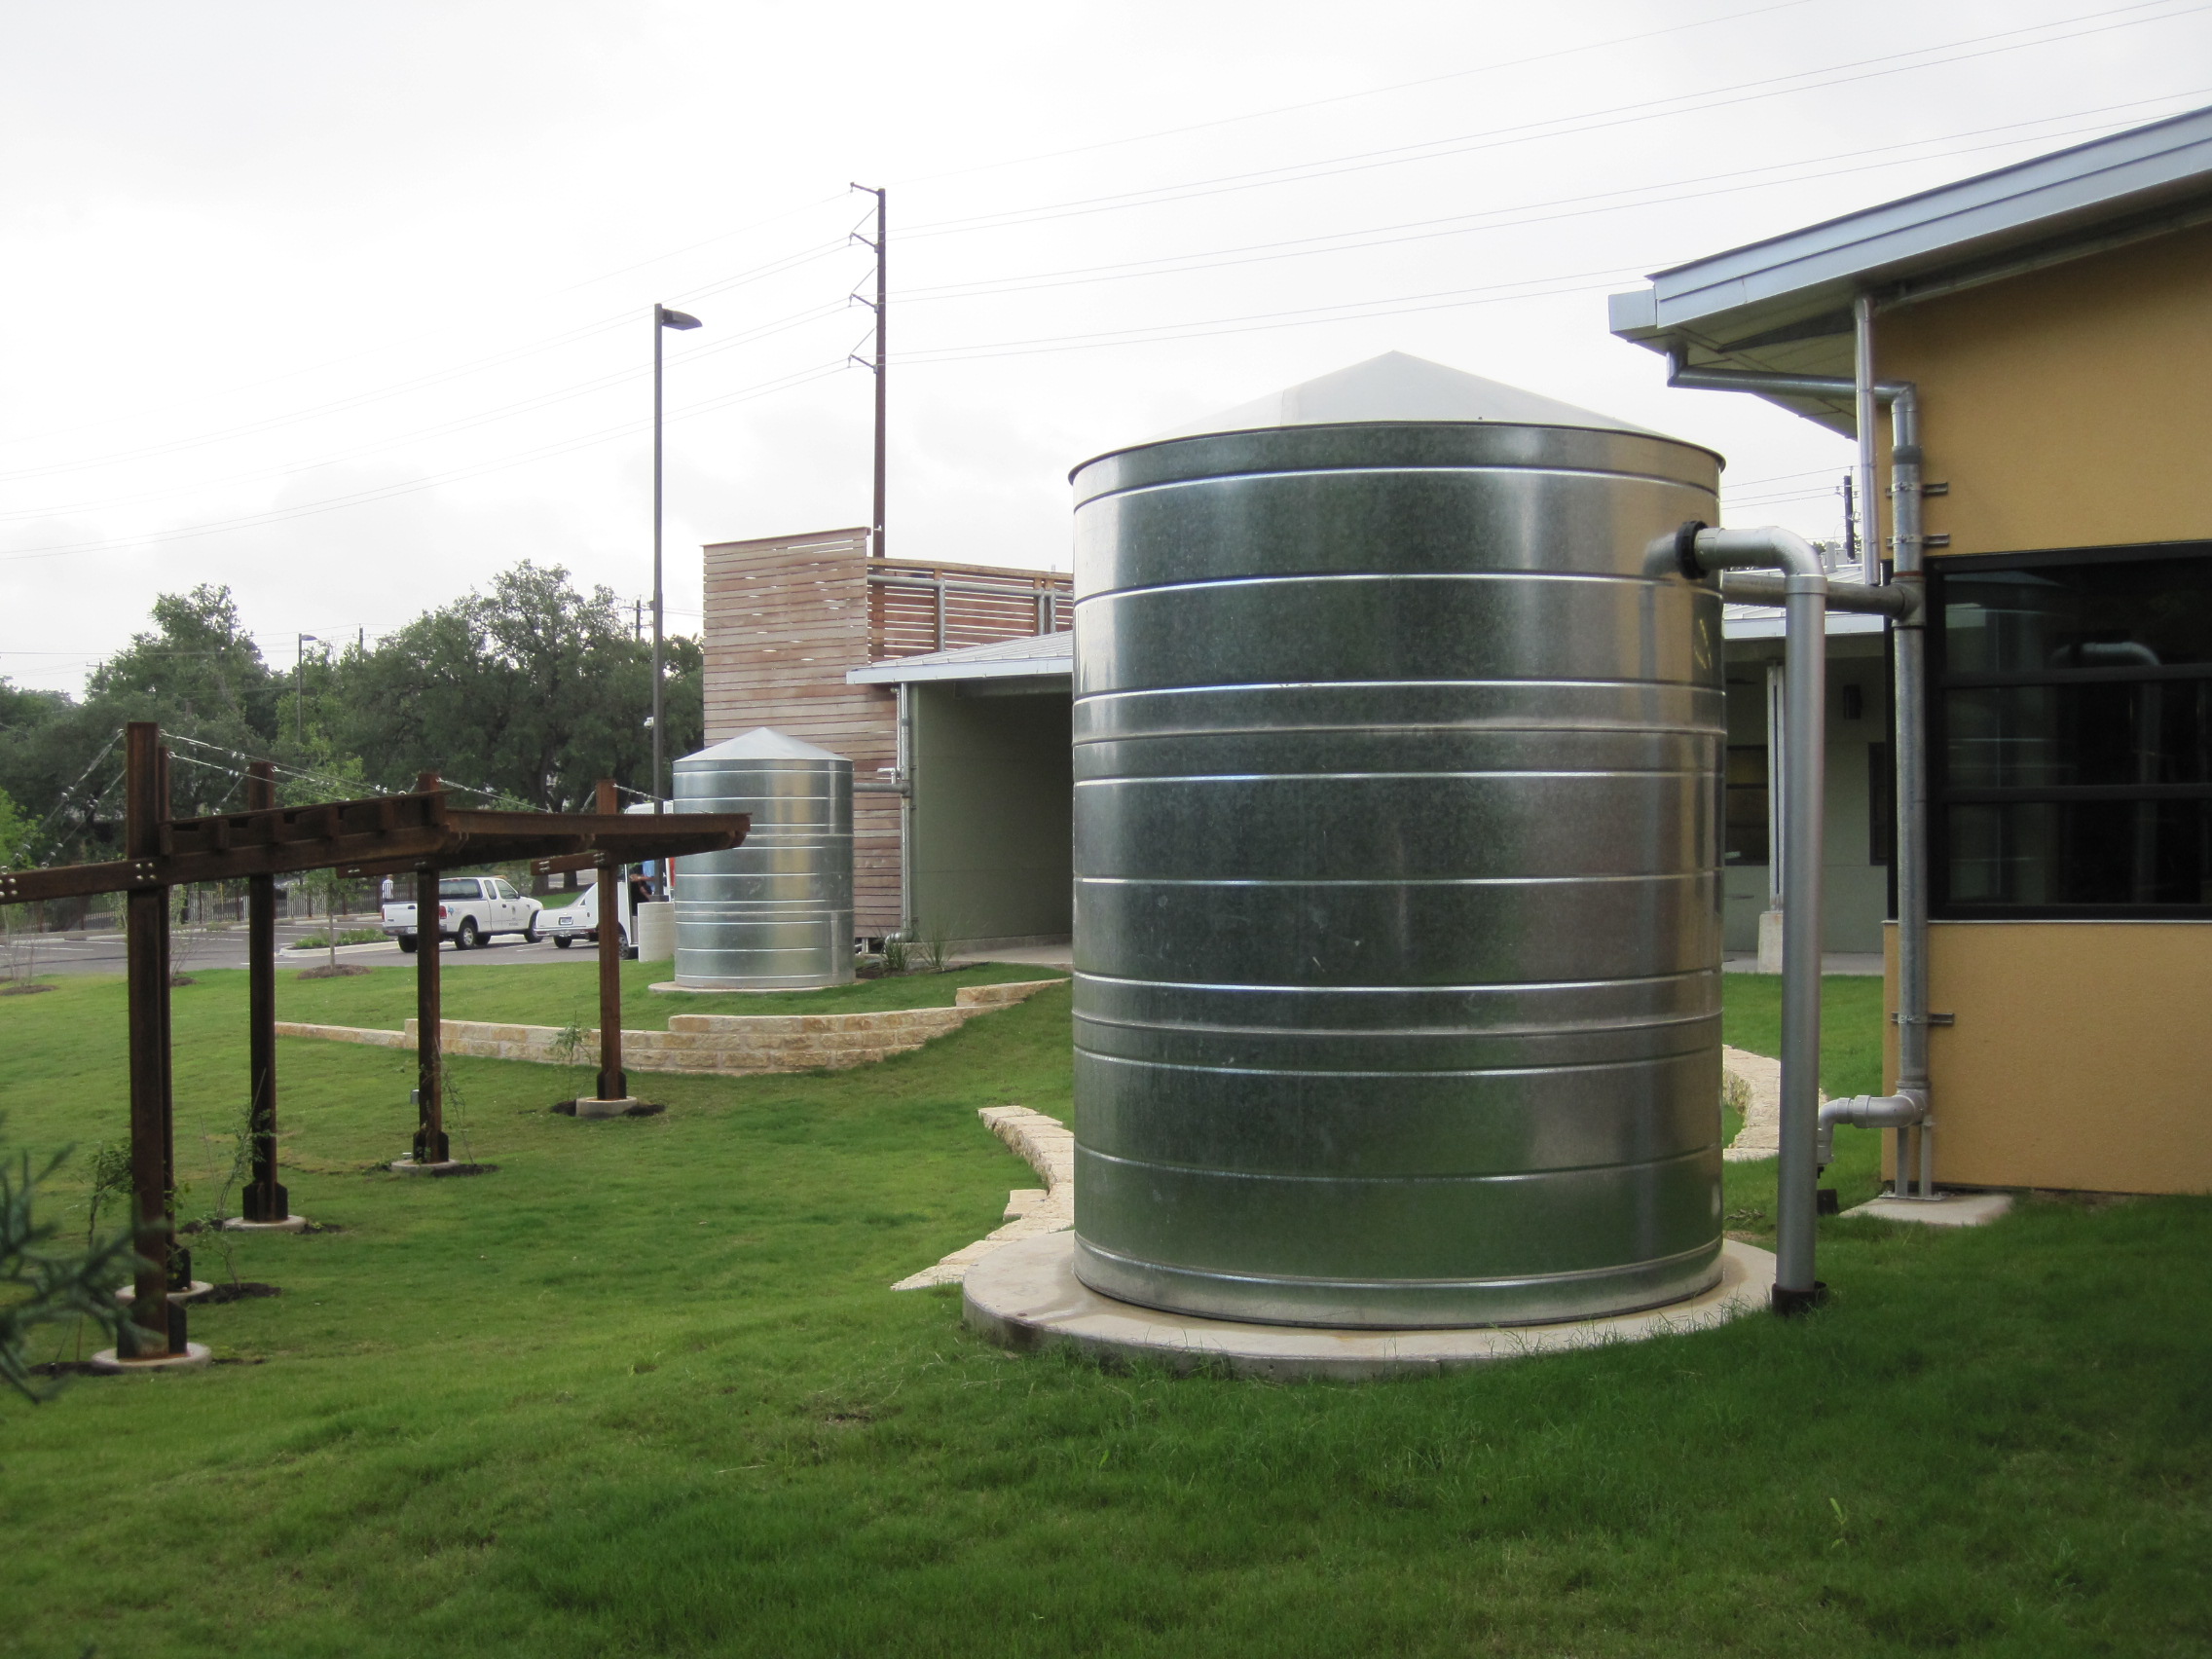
(727, 1044)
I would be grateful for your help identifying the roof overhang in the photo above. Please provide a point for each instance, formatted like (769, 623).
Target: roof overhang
(1043, 656)
(1784, 305)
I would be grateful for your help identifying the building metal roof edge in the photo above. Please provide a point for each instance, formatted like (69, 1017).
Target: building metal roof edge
(2074, 191)
(1031, 657)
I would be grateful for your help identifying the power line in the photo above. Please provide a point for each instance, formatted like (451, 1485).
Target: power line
(360, 400)
(1457, 223)
(1347, 97)
(386, 492)
(1619, 115)
(530, 405)
(1441, 299)
(597, 327)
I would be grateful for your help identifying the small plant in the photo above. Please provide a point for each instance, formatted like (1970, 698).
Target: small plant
(42, 1286)
(110, 1170)
(240, 1141)
(936, 947)
(895, 951)
(568, 1041)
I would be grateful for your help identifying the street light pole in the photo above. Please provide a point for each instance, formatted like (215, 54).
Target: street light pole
(300, 686)
(663, 318)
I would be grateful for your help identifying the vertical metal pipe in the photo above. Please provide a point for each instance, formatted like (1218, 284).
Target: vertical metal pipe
(906, 762)
(146, 914)
(265, 1199)
(1805, 746)
(1863, 400)
(613, 1085)
(1804, 791)
(1910, 689)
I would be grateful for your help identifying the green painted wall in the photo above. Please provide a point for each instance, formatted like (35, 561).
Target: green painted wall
(993, 815)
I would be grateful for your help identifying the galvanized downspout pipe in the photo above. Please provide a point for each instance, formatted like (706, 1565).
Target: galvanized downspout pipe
(1907, 1110)
(1699, 552)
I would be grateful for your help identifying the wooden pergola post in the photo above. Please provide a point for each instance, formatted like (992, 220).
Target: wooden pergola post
(265, 1199)
(416, 831)
(430, 1144)
(146, 923)
(613, 1085)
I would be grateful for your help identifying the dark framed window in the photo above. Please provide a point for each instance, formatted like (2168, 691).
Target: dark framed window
(1881, 803)
(2071, 733)
(1744, 821)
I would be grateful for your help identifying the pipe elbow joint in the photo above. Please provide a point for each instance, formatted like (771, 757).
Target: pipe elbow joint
(1869, 1112)
(1770, 547)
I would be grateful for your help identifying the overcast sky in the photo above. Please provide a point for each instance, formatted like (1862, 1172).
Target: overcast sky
(346, 305)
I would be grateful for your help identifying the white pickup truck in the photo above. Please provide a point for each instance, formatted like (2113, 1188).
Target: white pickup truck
(580, 920)
(471, 909)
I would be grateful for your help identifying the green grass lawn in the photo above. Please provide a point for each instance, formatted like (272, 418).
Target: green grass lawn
(642, 1390)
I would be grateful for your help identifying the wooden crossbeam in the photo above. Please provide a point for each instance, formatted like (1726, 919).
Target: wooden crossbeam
(384, 834)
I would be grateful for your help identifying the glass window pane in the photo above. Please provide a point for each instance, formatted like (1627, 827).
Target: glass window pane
(2156, 732)
(2035, 853)
(1746, 824)
(2100, 613)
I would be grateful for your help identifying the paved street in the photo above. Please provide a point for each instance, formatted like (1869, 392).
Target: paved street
(101, 951)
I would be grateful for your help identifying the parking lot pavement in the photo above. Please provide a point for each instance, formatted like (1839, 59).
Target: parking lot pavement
(102, 951)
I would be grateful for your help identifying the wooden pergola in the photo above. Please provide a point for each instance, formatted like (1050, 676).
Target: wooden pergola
(418, 833)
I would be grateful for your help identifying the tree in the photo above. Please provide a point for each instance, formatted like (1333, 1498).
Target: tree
(196, 672)
(14, 832)
(531, 688)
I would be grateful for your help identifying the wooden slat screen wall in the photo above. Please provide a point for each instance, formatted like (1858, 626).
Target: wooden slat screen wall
(787, 617)
(908, 617)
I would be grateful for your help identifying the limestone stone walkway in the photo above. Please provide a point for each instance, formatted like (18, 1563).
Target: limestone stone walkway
(1750, 1083)
(1048, 1147)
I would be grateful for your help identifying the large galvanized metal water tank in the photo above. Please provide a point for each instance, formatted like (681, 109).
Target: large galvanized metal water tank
(775, 914)
(1397, 862)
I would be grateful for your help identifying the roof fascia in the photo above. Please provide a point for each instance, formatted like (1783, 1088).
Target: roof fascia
(2064, 204)
(1000, 668)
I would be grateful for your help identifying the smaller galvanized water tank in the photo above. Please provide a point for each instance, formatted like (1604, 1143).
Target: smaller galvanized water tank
(775, 914)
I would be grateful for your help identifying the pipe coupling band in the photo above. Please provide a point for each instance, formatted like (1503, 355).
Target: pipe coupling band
(1685, 548)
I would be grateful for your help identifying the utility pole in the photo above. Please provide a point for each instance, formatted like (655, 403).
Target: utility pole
(300, 686)
(1851, 527)
(882, 308)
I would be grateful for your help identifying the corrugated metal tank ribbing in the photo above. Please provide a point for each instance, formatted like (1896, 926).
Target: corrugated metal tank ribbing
(1397, 937)
(777, 912)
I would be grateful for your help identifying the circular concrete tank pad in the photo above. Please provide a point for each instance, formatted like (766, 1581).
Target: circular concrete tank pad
(1026, 1296)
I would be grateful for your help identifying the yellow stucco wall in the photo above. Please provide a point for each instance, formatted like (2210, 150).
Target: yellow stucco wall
(2081, 1056)
(2071, 407)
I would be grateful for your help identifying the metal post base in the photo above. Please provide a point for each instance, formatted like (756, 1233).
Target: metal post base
(1790, 1303)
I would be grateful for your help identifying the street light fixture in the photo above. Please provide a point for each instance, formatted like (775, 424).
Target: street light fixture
(300, 686)
(663, 318)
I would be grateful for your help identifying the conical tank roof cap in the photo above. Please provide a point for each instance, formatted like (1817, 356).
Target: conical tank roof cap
(1395, 388)
(762, 743)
